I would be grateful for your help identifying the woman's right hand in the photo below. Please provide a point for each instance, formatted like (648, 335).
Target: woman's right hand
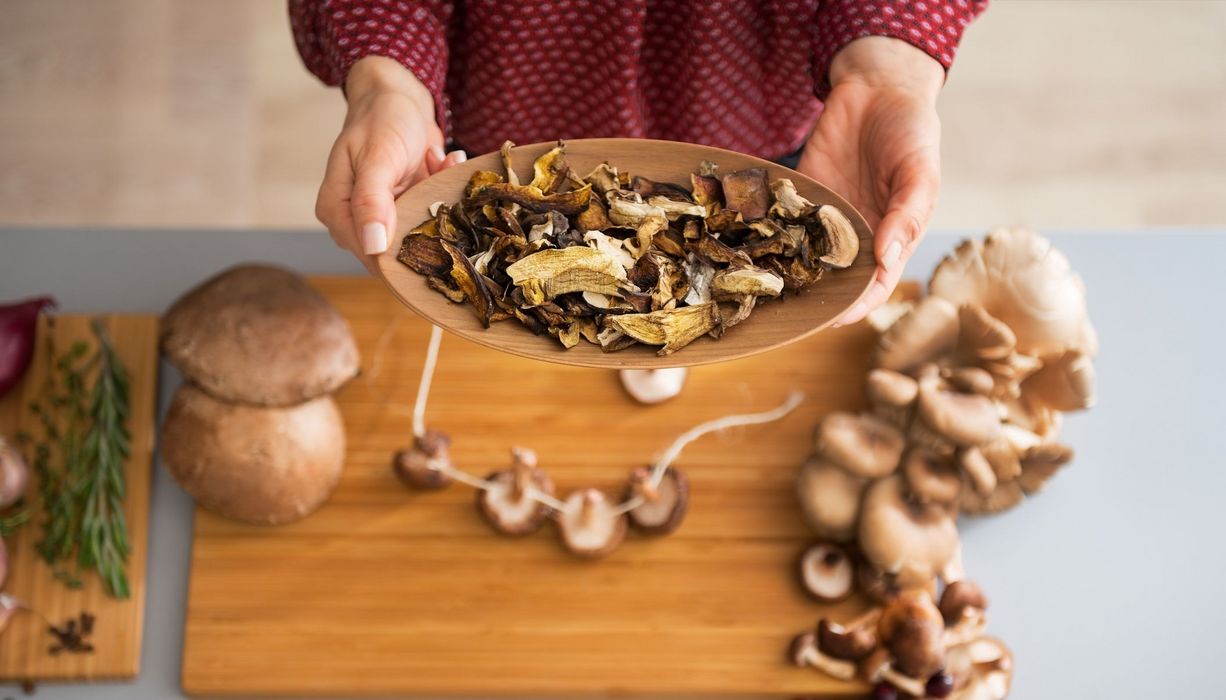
(388, 143)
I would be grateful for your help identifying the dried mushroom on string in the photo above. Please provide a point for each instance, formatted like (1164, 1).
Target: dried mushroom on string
(617, 260)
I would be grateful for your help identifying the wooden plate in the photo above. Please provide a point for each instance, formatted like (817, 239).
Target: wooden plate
(772, 324)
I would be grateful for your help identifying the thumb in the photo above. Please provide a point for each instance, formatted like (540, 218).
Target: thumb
(373, 205)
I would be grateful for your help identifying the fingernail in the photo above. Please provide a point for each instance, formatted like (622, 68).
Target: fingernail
(438, 152)
(460, 156)
(892, 253)
(374, 238)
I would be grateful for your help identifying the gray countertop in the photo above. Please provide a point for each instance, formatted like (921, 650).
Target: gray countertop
(1105, 585)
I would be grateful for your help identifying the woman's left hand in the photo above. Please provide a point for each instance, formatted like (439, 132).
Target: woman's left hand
(877, 144)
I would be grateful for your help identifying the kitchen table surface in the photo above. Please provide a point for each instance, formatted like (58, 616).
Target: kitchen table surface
(1105, 585)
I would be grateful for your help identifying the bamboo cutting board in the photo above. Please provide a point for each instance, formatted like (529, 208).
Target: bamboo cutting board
(385, 591)
(117, 630)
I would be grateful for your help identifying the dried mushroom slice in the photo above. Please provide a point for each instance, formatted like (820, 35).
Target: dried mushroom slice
(707, 191)
(550, 273)
(629, 209)
(671, 328)
(788, 202)
(674, 209)
(746, 191)
(730, 284)
(595, 217)
(590, 525)
(549, 171)
(480, 180)
(505, 152)
(603, 178)
(533, 199)
(842, 243)
(507, 504)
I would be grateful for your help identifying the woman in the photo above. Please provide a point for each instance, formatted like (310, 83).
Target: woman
(848, 86)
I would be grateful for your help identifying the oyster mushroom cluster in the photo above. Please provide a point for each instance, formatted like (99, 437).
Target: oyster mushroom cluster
(617, 260)
(965, 402)
(519, 500)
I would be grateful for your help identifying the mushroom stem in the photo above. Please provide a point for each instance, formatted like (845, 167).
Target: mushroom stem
(523, 461)
(911, 686)
(643, 487)
(587, 508)
(968, 628)
(868, 618)
(809, 655)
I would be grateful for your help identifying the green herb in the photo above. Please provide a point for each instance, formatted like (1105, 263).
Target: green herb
(10, 523)
(79, 462)
(104, 529)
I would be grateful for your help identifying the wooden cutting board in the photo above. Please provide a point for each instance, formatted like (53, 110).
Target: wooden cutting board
(385, 591)
(117, 631)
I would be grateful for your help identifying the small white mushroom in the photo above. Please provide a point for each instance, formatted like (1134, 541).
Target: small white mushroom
(651, 386)
(589, 524)
(827, 571)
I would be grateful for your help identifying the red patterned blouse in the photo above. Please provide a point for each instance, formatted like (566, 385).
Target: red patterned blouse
(746, 75)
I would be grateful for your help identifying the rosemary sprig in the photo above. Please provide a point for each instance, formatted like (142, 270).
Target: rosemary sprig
(10, 523)
(79, 462)
(104, 529)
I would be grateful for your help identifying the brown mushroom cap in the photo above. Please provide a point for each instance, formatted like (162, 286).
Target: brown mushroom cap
(506, 504)
(826, 571)
(664, 506)
(931, 478)
(830, 499)
(971, 380)
(589, 525)
(418, 466)
(978, 469)
(850, 643)
(891, 388)
(898, 536)
(957, 597)
(255, 464)
(864, 445)
(912, 629)
(260, 335)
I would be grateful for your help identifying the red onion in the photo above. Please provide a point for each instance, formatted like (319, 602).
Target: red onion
(14, 475)
(18, 322)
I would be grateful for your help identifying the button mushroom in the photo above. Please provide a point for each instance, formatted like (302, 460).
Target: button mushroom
(803, 651)
(590, 525)
(862, 444)
(826, 572)
(830, 499)
(507, 503)
(255, 464)
(664, 504)
(902, 537)
(260, 335)
(423, 466)
(650, 386)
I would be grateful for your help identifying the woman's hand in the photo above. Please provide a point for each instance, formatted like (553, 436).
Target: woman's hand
(388, 143)
(877, 143)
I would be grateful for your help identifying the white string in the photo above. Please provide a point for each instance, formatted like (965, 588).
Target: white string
(423, 387)
(657, 471)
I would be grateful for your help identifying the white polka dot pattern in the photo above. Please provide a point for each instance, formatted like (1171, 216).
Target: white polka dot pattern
(739, 74)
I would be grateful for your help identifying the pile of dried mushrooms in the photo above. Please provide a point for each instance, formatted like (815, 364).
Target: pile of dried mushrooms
(616, 259)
